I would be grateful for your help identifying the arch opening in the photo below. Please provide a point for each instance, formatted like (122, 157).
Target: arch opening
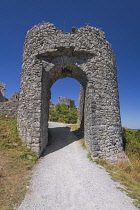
(64, 108)
(48, 79)
(67, 87)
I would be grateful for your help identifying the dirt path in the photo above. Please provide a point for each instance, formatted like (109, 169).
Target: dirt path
(65, 179)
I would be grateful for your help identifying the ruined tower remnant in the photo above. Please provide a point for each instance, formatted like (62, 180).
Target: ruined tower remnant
(85, 55)
(15, 97)
(2, 91)
(69, 102)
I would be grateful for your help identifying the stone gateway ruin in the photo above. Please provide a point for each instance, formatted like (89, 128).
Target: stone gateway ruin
(84, 54)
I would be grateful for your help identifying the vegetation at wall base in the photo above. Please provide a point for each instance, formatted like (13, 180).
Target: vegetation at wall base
(127, 173)
(15, 162)
(63, 114)
(75, 128)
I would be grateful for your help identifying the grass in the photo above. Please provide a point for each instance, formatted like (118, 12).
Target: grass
(127, 173)
(75, 128)
(15, 162)
(89, 156)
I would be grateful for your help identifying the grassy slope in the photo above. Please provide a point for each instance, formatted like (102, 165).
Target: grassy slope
(15, 162)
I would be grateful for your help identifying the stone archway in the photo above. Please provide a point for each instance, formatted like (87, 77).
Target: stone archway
(85, 55)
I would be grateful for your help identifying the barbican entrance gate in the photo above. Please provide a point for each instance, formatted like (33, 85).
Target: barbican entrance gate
(83, 54)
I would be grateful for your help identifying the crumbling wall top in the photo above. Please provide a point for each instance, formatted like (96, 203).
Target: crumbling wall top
(45, 37)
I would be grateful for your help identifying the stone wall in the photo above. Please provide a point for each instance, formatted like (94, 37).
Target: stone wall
(15, 97)
(9, 108)
(83, 54)
(2, 91)
(81, 107)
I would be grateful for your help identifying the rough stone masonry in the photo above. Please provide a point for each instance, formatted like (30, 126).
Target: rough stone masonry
(84, 54)
(2, 91)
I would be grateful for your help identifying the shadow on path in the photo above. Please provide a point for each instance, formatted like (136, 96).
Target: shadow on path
(59, 137)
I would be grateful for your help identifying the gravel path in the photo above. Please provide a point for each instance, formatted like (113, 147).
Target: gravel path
(65, 179)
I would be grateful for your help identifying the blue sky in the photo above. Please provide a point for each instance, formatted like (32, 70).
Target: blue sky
(119, 19)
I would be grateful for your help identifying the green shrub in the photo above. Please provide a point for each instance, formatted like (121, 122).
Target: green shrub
(131, 139)
(63, 114)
